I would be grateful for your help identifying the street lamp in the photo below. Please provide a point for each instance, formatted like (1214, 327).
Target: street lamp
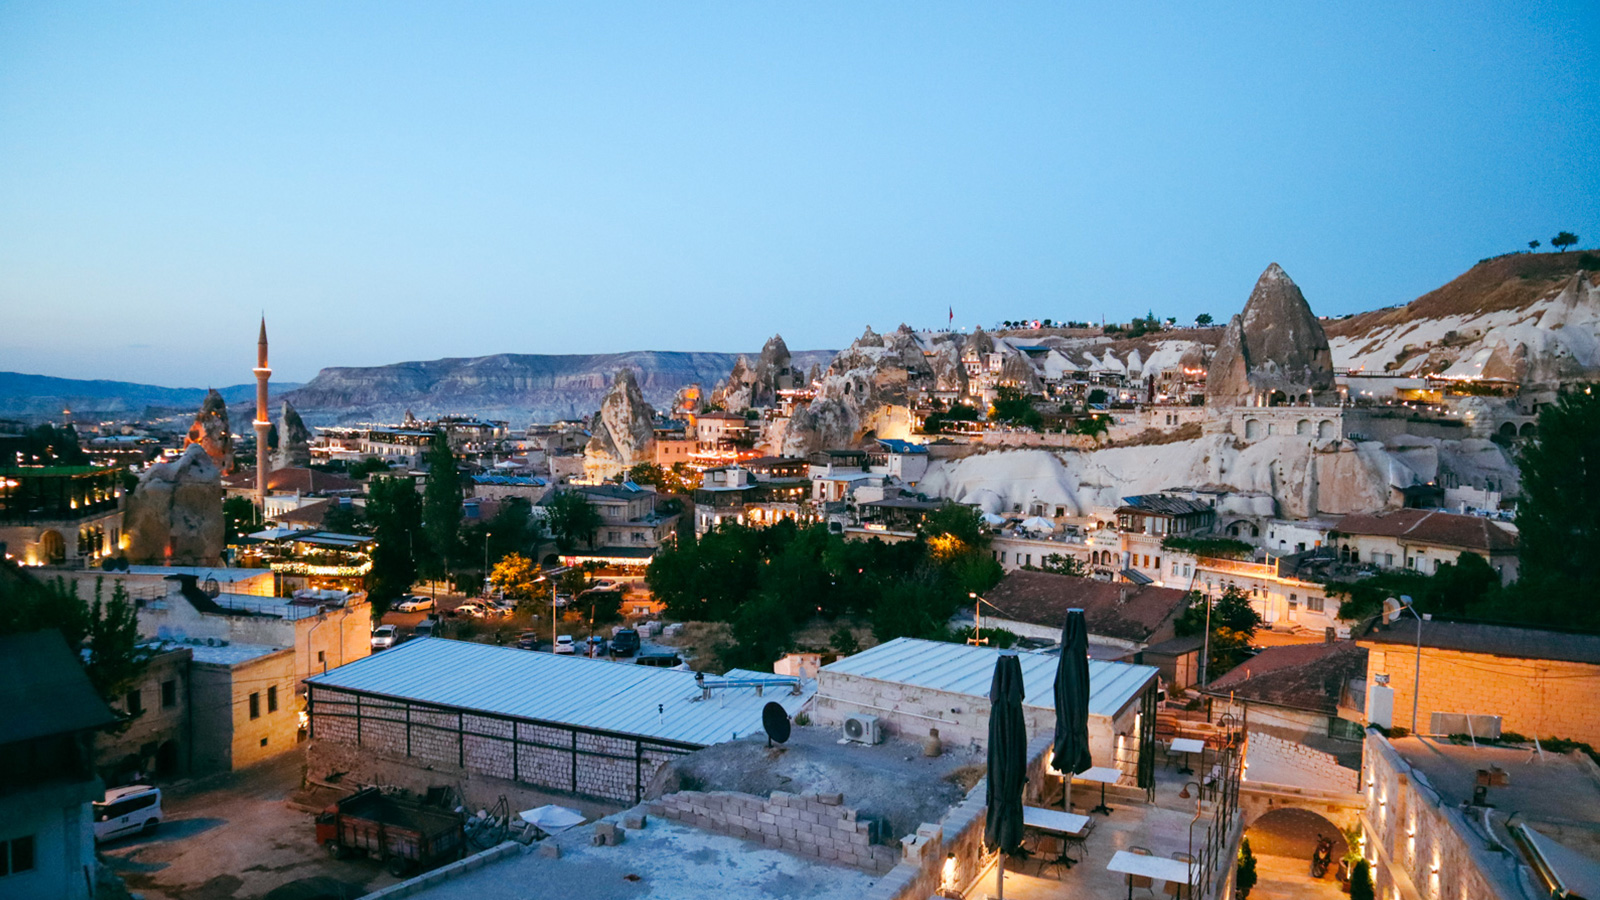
(1199, 807)
(1405, 604)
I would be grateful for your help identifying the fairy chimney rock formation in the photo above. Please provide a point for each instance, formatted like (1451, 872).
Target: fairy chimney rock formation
(174, 515)
(211, 431)
(294, 440)
(622, 433)
(1273, 352)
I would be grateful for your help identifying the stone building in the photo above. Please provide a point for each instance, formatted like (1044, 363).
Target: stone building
(60, 515)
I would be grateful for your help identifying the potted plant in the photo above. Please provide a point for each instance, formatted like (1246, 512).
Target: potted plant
(1352, 855)
(1245, 878)
(1361, 882)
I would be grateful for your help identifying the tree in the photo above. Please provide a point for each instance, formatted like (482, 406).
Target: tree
(1245, 877)
(395, 511)
(518, 576)
(1559, 518)
(1092, 426)
(572, 519)
(1233, 625)
(103, 633)
(1533, 245)
(844, 641)
(1563, 240)
(1203, 319)
(1361, 882)
(1013, 406)
(239, 517)
(342, 518)
(441, 506)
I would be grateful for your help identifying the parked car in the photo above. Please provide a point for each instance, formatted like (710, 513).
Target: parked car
(659, 660)
(564, 644)
(471, 610)
(414, 603)
(562, 600)
(625, 642)
(428, 627)
(528, 640)
(126, 810)
(385, 636)
(595, 646)
(501, 608)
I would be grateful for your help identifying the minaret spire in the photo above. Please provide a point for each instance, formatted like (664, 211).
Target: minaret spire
(263, 425)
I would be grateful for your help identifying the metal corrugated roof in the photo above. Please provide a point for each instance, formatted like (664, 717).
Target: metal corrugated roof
(589, 693)
(965, 669)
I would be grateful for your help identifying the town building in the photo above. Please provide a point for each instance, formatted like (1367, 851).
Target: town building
(631, 528)
(1122, 618)
(47, 777)
(497, 720)
(1484, 679)
(1293, 692)
(60, 515)
(159, 738)
(1422, 540)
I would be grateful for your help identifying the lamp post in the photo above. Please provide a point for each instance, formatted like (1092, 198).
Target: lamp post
(1416, 671)
(486, 536)
(1199, 807)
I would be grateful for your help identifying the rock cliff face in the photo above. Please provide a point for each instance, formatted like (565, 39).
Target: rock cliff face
(622, 433)
(756, 385)
(211, 432)
(174, 515)
(864, 389)
(516, 387)
(1275, 346)
(294, 440)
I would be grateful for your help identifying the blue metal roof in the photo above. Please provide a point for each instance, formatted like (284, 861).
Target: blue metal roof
(590, 693)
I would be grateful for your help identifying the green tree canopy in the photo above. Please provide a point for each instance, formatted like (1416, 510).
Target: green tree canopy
(1559, 518)
(103, 632)
(1563, 240)
(573, 520)
(441, 506)
(1233, 625)
(395, 511)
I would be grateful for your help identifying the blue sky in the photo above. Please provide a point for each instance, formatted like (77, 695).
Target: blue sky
(398, 181)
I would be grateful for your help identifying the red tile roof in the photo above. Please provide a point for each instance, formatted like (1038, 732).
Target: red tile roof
(1297, 676)
(1123, 611)
(1425, 526)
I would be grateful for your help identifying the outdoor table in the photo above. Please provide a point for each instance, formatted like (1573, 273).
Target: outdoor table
(1105, 775)
(1057, 822)
(1156, 867)
(1187, 746)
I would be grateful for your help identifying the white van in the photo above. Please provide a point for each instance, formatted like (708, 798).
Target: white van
(126, 810)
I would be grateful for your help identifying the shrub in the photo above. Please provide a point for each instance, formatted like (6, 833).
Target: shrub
(1361, 882)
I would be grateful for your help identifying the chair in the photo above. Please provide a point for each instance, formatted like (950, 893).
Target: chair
(1177, 889)
(1141, 881)
(1080, 839)
(1173, 759)
(1051, 851)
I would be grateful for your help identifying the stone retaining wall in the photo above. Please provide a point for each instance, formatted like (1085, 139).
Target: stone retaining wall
(815, 825)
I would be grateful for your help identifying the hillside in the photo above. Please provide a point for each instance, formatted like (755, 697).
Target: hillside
(42, 395)
(520, 388)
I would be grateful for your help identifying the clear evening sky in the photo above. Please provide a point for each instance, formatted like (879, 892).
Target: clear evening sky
(398, 181)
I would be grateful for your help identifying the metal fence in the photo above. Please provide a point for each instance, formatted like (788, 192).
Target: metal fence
(1214, 855)
(590, 762)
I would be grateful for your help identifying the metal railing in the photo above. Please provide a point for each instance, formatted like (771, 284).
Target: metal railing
(1210, 859)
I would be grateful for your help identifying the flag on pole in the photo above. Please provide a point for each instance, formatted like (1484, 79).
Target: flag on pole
(952, 315)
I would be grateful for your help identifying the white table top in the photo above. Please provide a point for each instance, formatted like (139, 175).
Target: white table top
(1188, 745)
(1150, 866)
(1053, 820)
(1102, 774)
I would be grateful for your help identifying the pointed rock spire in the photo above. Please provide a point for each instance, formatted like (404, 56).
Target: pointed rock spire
(1274, 349)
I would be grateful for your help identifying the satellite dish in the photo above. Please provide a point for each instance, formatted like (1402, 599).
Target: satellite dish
(775, 721)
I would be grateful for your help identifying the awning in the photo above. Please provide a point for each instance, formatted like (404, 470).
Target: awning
(1137, 577)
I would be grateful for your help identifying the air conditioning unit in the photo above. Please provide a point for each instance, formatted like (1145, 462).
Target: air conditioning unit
(863, 729)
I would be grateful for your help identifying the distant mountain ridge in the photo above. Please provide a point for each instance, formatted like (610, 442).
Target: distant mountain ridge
(519, 388)
(43, 395)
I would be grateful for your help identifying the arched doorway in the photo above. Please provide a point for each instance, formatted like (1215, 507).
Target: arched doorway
(1283, 841)
(52, 548)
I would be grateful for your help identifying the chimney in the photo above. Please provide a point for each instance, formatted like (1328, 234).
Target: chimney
(1122, 596)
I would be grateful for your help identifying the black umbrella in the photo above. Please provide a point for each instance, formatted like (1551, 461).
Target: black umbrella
(1071, 754)
(1008, 761)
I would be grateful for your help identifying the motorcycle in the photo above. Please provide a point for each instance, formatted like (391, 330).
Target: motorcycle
(1322, 858)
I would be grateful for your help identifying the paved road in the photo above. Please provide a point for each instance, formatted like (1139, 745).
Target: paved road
(1287, 878)
(231, 837)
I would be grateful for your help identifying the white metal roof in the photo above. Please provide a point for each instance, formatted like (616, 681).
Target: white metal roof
(590, 693)
(965, 669)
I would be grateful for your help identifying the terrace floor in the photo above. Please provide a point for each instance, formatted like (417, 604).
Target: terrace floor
(1162, 828)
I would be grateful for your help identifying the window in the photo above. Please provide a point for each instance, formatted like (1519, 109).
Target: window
(134, 704)
(255, 706)
(1158, 564)
(272, 699)
(613, 536)
(16, 855)
(169, 694)
(1294, 600)
(1314, 603)
(322, 658)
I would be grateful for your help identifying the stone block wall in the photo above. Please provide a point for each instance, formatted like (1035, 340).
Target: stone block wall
(1536, 698)
(593, 765)
(1309, 763)
(815, 825)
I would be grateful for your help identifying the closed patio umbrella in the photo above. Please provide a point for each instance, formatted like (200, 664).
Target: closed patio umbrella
(1071, 751)
(1008, 762)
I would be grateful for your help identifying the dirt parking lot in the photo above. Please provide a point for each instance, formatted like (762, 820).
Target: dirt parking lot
(233, 837)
